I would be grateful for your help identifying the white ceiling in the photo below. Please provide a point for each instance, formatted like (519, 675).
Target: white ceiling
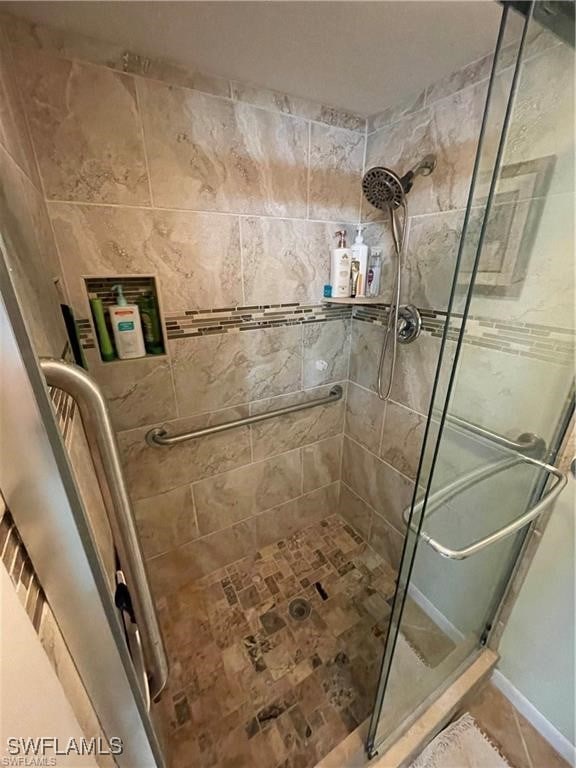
(361, 56)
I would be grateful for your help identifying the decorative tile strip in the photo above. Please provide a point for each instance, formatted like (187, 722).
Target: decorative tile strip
(85, 334)
(203, 322)
(540, 342)
(546, 343)
(133, 288)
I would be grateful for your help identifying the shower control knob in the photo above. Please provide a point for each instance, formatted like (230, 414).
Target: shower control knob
(409, 325)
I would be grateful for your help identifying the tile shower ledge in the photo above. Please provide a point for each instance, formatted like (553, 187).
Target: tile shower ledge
(359, 300)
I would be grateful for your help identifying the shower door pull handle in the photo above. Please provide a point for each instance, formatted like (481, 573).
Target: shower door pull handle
(507, 530)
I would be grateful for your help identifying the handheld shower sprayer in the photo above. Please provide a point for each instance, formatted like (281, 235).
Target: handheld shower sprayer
(387, 191)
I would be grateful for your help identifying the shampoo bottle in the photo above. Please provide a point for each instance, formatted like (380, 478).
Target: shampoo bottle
(127, 328)
(360, 254)
(374, 274)
(151, 324)
(104, 342)
(340, 268)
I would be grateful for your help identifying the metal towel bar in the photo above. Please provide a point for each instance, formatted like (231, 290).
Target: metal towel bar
(526, 442)
(157, 438)
(104, 450)
(473, 478)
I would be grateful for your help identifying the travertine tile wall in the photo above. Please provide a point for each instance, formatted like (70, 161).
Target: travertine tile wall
(519, 334)
(28, 243)
(383, 441)
(229, 196)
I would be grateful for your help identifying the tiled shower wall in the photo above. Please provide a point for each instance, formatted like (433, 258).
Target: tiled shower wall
(25, 227)
(234, 213)
(383, 440)
(519, 336)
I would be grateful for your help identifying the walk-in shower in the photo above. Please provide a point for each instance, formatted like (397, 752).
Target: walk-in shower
(305, 524)
(385, 190)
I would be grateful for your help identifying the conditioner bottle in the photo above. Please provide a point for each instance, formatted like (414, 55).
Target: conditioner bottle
(126, 327)
(340, 267)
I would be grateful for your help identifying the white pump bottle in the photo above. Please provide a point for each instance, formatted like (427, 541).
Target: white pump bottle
(359, 251)
(127, 327)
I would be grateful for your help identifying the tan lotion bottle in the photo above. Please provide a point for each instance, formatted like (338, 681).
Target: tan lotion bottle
(340, 268)
(126, 327)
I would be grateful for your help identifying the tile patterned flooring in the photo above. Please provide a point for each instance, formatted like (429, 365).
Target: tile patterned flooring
(275, 658)
(516, 739)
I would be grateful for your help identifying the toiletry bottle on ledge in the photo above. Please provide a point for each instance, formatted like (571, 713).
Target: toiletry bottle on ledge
(151, 324)
(126, 326)
(374, 274)
(104, 342)
(359, 252)
(340, 267)
(354, 278)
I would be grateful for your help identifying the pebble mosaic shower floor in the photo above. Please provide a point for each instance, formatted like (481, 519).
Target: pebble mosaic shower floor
(274, 659)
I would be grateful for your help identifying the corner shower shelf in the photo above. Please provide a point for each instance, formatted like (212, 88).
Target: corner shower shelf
(359, 300)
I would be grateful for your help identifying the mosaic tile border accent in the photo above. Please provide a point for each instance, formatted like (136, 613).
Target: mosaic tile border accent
(540, 342)
(552, 345)
(133, 288)
(205, 322)
(85, 334)
(202, 322)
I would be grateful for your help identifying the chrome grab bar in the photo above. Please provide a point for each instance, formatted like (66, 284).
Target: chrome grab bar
(159, 437)
(527, 441)
(473, 478)
(103, 447)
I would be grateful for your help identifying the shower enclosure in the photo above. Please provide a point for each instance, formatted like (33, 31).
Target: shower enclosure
(504, 390)
(319, 527)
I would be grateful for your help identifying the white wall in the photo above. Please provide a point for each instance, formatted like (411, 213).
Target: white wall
(32, 702)
(537, 649)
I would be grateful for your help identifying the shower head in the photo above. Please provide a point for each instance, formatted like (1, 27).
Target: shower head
(384, 189)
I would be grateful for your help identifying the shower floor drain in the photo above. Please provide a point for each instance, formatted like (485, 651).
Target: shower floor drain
(299, 609)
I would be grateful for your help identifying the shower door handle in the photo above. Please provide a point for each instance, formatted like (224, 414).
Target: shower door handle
(475, 477)
(104, 450)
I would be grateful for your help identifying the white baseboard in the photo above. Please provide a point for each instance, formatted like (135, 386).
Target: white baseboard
(544, 727)
(437, 616)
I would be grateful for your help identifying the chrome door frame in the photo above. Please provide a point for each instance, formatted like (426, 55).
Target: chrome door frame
(62, 548)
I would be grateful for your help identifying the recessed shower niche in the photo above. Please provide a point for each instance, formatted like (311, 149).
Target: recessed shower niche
(140, 291)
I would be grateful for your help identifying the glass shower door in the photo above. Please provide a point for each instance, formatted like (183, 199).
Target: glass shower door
(504, 383)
